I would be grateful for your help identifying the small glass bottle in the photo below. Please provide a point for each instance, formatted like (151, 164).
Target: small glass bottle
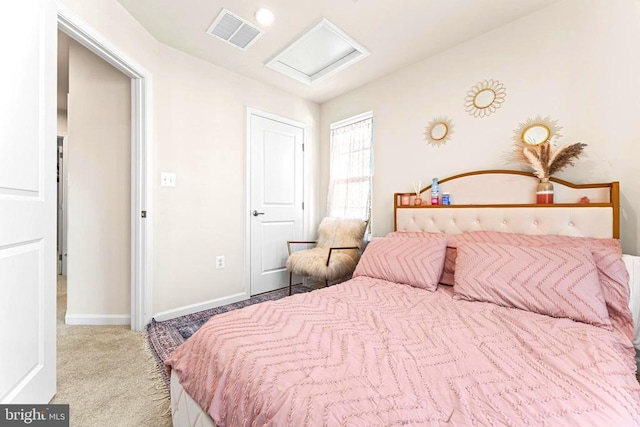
(435, 192)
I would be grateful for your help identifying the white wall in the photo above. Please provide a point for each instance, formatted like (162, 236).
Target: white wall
(62, 122)
(575, 61)
(204, 129)
(99, 189)
(199, 131)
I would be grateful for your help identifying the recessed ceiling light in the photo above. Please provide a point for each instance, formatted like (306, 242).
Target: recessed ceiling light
(264, 16)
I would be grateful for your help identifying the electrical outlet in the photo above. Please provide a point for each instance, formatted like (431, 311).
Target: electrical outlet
(220, 261)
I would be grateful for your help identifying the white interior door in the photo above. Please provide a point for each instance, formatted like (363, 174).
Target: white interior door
(276, 196)
(28, 202)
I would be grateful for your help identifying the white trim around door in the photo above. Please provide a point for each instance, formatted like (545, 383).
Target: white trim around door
(141, 167)
(247, 222)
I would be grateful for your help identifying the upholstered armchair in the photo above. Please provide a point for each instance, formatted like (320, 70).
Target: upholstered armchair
(335, 255)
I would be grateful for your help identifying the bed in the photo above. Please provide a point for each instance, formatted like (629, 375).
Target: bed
(439, 325)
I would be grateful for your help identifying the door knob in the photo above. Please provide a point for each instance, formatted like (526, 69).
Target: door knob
(256, 213)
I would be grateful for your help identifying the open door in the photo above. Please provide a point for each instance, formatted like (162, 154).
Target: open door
(28, 202)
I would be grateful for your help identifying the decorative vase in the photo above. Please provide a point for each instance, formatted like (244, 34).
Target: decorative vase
(544, 192)
(417, 201)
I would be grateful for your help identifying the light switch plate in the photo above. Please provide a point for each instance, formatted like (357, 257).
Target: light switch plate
(167, 179)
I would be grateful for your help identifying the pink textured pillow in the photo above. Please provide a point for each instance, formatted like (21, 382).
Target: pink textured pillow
(450, 255)
(554, 281)
(417, 262)
(607, 253)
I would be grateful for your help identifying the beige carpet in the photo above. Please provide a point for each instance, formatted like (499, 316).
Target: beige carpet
(107, 375)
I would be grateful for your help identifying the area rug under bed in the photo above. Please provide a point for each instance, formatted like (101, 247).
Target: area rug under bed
(164, 337)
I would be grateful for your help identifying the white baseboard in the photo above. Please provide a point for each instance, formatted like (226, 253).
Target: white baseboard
(98, 319)
(194, 308)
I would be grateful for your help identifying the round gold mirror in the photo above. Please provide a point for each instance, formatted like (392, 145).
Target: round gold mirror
(438, 131)
(536, 134)
(536, 131)
(485, 98)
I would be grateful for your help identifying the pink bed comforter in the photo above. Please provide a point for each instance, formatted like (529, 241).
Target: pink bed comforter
(370, 352)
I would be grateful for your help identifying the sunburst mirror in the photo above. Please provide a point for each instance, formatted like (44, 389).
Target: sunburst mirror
(535, 131)
(485, 98)
(438, 131)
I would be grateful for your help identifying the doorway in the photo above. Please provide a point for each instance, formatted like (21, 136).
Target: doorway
(97, 184)
(140, 172)
(275, 196)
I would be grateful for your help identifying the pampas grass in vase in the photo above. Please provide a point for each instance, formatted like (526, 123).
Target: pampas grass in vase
(545, 161)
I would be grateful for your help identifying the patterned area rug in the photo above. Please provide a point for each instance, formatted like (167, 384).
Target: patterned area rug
(165, 337)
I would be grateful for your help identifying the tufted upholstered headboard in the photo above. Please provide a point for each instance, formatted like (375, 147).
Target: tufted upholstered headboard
(502, 200)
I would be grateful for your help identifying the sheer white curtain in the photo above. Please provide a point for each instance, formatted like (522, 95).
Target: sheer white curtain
(351, 170)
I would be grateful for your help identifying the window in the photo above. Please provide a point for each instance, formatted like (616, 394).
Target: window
(351, 168)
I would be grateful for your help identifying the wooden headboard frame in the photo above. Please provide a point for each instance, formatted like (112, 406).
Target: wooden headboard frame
(504, 200)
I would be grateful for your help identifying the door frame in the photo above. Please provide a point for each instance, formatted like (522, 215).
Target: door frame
(247, 204)
(141, 156)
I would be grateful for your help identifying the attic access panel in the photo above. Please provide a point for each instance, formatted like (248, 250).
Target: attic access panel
(320, 52)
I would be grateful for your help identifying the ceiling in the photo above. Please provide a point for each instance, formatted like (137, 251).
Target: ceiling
(397, 36)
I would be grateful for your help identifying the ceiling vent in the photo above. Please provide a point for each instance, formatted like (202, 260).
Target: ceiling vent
(319, 53)
(234, 30)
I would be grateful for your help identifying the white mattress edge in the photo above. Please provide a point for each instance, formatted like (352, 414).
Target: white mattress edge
(185, 412)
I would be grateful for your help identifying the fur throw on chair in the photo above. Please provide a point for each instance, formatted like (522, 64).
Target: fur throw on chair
(332, 233)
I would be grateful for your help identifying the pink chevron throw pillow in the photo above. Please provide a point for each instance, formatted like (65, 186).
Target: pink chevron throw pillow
(416, 262)
(554, 281)
(450, 255)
